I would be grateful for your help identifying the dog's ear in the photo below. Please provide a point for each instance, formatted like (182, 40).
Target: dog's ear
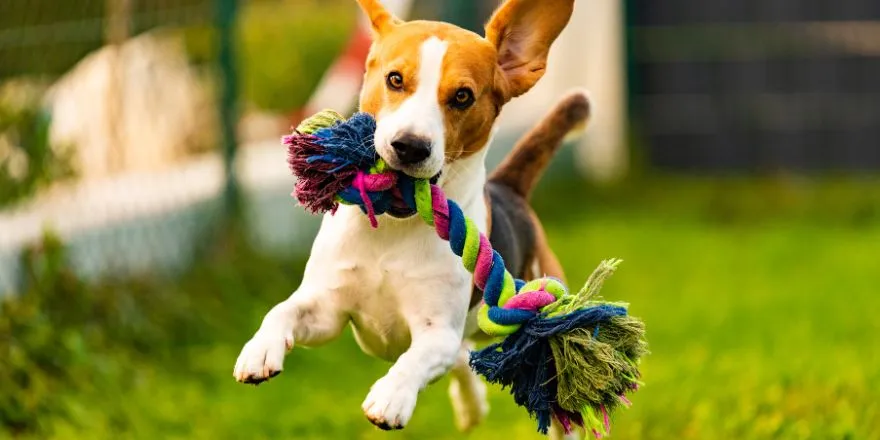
(380, 18)
(522, 32)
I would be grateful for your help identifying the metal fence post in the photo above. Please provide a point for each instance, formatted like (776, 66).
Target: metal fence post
(226, 15)
(464, 13)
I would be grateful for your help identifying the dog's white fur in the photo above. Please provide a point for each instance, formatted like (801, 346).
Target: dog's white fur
(418, 115)
(404, 292)
(402, 289)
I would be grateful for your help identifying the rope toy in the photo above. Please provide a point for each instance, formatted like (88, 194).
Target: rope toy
(572, 357)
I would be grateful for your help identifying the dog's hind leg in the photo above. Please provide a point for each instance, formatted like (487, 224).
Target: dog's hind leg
(309, 317)
(467, 392)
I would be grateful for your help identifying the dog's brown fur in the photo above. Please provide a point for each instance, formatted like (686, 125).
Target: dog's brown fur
(527, 253)
(522, 168)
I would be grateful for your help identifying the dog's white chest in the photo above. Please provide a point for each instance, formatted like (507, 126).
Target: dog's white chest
(387, 277)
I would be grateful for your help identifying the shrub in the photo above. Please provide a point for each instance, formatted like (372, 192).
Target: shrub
(27, 161)
(283, 49)
(63, 337)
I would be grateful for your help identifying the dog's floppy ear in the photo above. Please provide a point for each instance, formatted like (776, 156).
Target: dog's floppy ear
(380, 18)
(522, 32)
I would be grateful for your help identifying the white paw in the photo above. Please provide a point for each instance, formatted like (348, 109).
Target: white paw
(390, 403)
(469, 404)
(262, 358)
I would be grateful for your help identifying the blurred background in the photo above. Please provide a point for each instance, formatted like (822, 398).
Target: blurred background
(146, 225)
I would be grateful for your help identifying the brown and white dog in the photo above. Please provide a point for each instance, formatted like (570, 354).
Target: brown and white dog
(436, 91)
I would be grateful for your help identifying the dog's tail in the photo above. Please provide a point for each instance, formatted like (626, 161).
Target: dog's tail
(525, 164)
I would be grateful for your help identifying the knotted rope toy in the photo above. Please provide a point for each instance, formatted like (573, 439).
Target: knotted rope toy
(566, 356)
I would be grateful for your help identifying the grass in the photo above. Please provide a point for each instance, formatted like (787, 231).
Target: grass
(761, 326)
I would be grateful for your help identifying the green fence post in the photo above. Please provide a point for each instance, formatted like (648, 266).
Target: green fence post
(464, 13)
(225, 21)
(635, 141)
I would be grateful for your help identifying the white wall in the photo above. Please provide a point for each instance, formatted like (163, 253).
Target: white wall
(590, 53)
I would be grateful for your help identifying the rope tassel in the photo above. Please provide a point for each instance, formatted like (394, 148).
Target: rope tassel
(569, 357)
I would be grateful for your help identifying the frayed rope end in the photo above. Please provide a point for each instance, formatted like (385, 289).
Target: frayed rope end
(574, 363)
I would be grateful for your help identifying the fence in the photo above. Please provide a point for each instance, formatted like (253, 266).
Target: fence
(756, 85)
(139, 100)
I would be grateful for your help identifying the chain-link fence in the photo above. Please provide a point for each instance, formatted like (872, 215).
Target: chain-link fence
(125, 124)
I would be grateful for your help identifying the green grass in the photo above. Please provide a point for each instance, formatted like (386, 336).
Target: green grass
(759, 327)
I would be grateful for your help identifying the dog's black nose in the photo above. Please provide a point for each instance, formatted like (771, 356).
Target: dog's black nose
(410, 148)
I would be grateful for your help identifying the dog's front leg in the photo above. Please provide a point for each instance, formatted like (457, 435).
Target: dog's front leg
(392, 399)
(436, 323)
(309, 317)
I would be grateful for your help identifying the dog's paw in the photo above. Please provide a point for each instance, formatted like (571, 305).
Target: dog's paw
(390, 403)
(469, 403)
(262, 358)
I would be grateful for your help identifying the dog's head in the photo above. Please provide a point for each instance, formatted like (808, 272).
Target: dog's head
(436, 89)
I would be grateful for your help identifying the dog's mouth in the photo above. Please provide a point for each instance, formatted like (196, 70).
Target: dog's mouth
(399, 208)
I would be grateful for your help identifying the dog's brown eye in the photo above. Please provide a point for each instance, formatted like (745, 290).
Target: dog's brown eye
(463, 98)
(394, 81)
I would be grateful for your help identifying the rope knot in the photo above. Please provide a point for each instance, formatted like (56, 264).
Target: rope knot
(529, 301)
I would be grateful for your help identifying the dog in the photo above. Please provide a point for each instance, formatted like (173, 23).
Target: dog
(436, 91)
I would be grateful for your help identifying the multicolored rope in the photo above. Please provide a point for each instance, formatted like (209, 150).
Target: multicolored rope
(566, 356)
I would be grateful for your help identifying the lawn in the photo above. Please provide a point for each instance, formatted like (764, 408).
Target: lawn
(760, 326)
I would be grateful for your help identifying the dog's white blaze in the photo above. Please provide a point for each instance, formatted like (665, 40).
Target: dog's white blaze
(420, 114)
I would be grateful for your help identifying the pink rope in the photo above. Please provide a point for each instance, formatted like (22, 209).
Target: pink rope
(361, 186)
(441, 212)
(606, 419)
(531, 301)
(379, 182)
(565, 421)
(484, 263)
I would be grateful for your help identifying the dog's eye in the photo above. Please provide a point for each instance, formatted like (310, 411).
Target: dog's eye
(394, 81)
(462, 99)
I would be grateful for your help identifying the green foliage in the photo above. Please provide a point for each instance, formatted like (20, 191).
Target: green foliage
(61, 338)
(60, 332)
(37, 349)
(283, 48)
(27, 160)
